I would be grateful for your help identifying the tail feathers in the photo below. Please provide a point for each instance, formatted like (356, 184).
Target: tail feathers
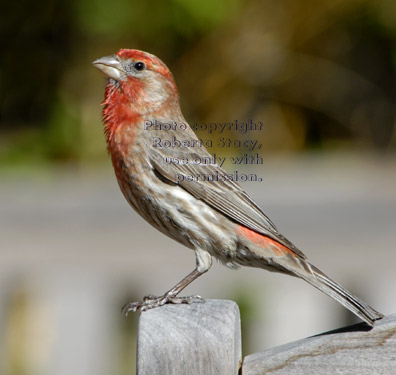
(347, 299)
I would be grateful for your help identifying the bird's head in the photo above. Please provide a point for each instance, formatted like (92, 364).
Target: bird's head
(140, 78)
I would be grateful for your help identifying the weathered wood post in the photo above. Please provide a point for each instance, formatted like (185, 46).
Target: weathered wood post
(353, 350)
(195, 339)
(205, 339)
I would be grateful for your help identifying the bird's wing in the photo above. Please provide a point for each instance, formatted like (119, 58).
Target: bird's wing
(221, 193)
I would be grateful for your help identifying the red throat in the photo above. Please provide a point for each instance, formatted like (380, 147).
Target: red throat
(117, 110)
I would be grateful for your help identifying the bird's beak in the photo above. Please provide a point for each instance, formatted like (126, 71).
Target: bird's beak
(111, 67)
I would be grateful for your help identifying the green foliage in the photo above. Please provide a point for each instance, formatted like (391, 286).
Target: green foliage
(152, 19)
(320, 75)
(58, 140)
(61, 138)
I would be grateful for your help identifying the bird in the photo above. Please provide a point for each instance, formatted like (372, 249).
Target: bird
(154, 153)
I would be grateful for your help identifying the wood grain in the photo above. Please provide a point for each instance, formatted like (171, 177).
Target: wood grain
(353, 350)
(200, 338)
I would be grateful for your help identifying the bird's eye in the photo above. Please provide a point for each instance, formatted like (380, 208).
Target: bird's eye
(139, 66)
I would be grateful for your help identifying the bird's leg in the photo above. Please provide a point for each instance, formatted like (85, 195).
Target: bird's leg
(204, 262)
(150, 301)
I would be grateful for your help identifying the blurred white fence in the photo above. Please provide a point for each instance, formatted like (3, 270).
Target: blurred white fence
(72, 253)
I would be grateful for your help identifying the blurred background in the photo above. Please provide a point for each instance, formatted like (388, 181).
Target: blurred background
(320, 76)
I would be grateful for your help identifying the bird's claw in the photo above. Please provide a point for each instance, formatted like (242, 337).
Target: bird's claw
(151, 302)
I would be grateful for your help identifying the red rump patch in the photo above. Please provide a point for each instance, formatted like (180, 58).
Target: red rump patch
(264, 241)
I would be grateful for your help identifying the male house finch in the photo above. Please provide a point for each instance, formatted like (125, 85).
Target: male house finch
(206, 211)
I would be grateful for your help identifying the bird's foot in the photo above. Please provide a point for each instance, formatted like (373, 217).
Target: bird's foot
(151, 302)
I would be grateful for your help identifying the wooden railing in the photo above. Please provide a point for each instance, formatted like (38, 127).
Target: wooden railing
(205, 339)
